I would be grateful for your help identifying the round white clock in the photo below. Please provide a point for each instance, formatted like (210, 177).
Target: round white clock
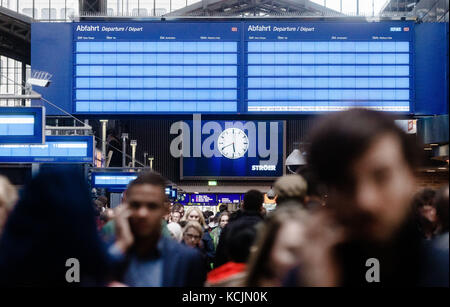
(233, 143)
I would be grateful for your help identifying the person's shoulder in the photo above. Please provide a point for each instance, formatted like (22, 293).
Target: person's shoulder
(435, 265)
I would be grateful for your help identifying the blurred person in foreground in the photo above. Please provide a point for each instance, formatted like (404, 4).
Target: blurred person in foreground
(147, 258)
(248, 216)
(8, 198)
(52, 222)
(290, 189)
(240, 238)
(279, 242)
(367, 164)
(314, 198)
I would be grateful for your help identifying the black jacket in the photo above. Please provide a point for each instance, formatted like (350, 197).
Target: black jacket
(240, 221)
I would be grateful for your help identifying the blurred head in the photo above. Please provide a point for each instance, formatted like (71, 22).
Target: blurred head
(52, 222)
(195, 215)
(223, 219)
(441, 204)
(8, 198)
(146, 199)
(424, 205)
(278, 246)
(314, 198)
(366, 163)
(223, 208)
(178, 208)
(253, 201)
(104, 200)
(290, 187)
(193, 233)
(175, 231)
(175, 216)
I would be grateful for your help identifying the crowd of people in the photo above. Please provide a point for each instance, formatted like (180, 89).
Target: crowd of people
(357, 200)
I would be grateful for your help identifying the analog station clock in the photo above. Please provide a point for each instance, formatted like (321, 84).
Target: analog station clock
(233, 143)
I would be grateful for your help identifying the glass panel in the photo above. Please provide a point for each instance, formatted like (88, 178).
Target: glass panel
(72, 9)
(11, 4)
(40, 5)
(349, 7)
(162, 7)
(58, 8)
(26, 8)
(178, 4)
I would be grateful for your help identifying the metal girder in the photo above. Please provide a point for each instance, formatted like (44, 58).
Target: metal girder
(239, 7)
(15, 35)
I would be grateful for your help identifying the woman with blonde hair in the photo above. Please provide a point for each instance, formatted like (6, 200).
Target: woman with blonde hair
(194, 214)
(277, 248)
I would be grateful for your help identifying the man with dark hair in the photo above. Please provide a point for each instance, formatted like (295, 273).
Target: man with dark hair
(178, 208)
(426, 214)
(367, 165)
(247, 217)
(147, 258)
(253, 201)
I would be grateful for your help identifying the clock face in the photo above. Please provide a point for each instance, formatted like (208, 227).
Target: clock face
(233, 143)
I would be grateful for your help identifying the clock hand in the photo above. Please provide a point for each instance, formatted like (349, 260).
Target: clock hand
(227, 145)
(234, 149)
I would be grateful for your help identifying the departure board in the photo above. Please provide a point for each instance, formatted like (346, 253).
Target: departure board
(112, 180)
(22, 125)
(247, 66)
(156, 67)
(57, 149)
(326, 66)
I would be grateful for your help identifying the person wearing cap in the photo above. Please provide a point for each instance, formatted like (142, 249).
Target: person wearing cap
(290, 189)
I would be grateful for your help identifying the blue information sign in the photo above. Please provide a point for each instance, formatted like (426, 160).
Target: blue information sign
(22, 125)
(57, 149)
(112, 180)
(228, 198)
(156, 67)
(325, 66)
(249, 66)
(203, 198)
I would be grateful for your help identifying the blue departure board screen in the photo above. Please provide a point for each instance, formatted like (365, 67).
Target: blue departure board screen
(249, 66)
(317, 67)
(57, 149)
(112, 180)
(156, 67)
(22, 125)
